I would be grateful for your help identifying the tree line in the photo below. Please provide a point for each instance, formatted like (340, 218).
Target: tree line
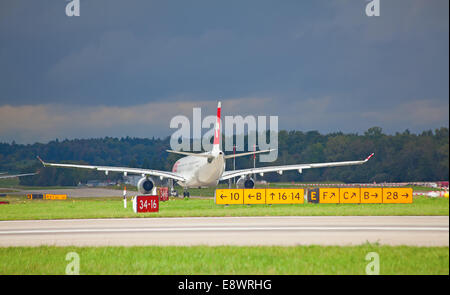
(399, 157)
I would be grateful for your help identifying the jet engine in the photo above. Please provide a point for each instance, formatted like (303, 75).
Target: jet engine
(245, 182)
(145, 185)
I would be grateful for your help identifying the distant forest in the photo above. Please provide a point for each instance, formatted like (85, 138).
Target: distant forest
(398, 158)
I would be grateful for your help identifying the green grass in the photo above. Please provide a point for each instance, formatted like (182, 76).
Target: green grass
(21, 208)
(231, 260)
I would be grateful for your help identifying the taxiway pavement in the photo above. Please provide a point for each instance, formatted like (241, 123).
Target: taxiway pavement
(212, 231)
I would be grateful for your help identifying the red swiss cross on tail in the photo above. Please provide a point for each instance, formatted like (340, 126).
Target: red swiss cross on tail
(216, 142)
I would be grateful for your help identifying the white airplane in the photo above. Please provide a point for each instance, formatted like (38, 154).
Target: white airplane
(15, 175)
(204, 169)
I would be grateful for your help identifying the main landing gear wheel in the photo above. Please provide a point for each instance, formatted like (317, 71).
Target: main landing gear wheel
(186, 194)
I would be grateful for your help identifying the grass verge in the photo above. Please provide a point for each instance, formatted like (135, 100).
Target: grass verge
(233, 260)
(21, 208)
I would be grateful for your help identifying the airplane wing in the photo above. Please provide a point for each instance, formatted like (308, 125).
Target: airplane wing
(230, 156)
(125, 170)
(261, 170)
(15, 175)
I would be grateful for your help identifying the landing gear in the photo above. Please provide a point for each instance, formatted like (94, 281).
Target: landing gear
(186, 194)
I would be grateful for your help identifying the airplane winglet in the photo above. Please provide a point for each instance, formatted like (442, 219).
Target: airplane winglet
(370, 156)
(43, 163)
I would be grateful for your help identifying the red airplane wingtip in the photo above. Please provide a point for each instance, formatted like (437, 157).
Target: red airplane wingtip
(370, 156)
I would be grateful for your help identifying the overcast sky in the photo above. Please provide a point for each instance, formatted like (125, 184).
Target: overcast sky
(125, 68)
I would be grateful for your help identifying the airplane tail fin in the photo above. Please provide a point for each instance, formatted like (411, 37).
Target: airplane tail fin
(216, 143)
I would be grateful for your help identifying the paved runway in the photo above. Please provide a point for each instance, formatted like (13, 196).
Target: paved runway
(304, 230)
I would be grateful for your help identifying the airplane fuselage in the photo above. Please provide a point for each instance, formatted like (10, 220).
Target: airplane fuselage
(200, 171)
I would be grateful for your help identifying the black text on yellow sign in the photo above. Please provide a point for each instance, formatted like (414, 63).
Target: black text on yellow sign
(329, 195)
(46, 197)
(313, 195)
(372, 195)
(322, 195)
(229, 196)
(284, 196)
(255, 196)
(349, 195)
(397, 195)
(55, 197)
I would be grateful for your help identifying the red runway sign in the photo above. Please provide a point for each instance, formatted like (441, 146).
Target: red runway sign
(163, 193)
(146, 204)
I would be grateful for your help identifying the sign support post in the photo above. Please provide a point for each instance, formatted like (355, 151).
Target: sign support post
(125, 197)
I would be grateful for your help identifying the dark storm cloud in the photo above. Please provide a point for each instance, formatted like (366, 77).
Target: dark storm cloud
(319, 65)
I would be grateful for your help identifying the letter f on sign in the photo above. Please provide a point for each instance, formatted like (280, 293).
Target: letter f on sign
(373, 8)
